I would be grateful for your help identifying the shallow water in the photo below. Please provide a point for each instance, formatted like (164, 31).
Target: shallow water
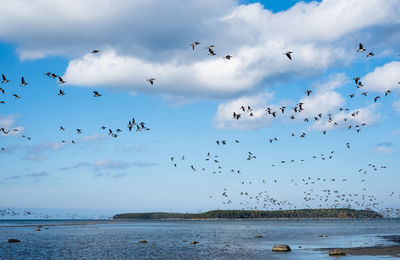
(221, 239)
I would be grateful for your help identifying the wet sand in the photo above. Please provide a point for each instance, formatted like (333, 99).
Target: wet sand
(379, 250)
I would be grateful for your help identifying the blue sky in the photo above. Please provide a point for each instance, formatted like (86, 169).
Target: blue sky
(190, 105)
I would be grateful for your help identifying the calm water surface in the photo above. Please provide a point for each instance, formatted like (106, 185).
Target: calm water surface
(218, 239)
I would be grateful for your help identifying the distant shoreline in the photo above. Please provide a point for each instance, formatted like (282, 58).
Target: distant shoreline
(254, 214)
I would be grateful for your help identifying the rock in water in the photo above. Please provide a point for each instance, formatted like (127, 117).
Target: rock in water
(13, 240)
(336, 252)
(281, 248)
(143, 241)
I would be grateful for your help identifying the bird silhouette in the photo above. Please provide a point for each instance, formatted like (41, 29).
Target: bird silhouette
(361, 48)
(23, 83)
(194, 44)
(288, 54)
(4, 79)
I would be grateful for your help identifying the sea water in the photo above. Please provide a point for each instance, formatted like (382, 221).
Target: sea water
(171, 239)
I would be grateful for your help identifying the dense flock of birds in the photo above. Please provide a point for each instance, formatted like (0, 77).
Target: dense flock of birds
(326, 197)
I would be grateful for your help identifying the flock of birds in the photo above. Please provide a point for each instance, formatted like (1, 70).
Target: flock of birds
(252, 199)
(331, 198)
(132, 124)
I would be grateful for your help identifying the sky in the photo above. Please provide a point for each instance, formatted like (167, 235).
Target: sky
(191, 103)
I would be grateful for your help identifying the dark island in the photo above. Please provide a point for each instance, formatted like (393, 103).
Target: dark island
(258, 214)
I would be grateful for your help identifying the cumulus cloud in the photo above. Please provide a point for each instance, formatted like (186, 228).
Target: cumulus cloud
(224, 116)
(323, 102)
(383, 78)
(138, 27)
(212, 76)
(360, 116)
(324, 99)
(256, 38)
(136, 43)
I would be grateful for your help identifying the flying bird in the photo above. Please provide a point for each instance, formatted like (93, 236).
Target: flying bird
(23, 83)
(151, 80)
(288, 54)
(95, 51)
(361, 48)
(228, 57)
(194, 44)
(96, 94)
(4, 79)
(61, 93)
(210, 50)
(60, 80)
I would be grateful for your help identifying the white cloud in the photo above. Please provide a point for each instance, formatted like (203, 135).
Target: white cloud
(383, 78)
(143, 39)
(327, 21)
(211, 76)
(224, 116)
(141, 27)
(323, 102)
(324, 99)
(8, 123)
(367, 115)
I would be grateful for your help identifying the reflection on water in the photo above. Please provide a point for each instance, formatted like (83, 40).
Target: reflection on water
(218, 239)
